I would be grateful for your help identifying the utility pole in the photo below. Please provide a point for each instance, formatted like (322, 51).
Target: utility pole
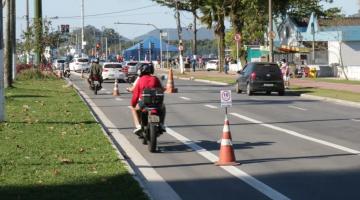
(270, 34)
(82, 27)
(8, 48)
(2, 98)
(27, 30)
(179, 29)
(13, 37)
(38, 31)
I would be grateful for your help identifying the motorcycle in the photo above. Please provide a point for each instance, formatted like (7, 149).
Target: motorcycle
(95, 84)
(149, 117)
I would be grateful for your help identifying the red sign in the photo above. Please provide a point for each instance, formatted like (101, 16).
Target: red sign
(237, 37)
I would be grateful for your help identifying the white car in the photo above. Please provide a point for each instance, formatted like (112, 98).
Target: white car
(212, 65)
(112, 71)
(78, 64)
(60, 64)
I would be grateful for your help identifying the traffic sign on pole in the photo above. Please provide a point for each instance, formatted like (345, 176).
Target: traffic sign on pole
(225, 96)
(237, 37)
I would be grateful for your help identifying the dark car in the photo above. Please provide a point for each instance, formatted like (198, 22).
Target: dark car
(260, 77)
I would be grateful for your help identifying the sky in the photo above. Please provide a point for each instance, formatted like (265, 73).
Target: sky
(139, 11)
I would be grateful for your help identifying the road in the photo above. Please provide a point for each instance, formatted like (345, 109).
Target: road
(289, 147)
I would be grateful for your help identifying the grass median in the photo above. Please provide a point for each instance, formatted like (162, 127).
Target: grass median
(52, 148)
(336, 94)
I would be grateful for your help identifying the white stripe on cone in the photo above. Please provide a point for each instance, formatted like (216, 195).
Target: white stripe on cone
(226, 142)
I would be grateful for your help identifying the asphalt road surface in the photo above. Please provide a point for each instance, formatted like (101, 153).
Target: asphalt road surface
(289, 147)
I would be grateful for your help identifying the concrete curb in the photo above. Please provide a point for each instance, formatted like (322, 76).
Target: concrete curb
(332, 100)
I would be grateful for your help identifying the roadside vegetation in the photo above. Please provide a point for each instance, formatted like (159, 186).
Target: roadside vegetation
(52, 148)
(336, 94)
(332, 80)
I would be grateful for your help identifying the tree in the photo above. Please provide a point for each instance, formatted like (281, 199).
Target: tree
(189, 6)
(213, 16)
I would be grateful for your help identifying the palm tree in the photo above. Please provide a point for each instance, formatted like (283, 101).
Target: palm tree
(214, 13)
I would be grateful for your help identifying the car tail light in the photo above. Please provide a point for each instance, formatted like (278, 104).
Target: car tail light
(253, 76)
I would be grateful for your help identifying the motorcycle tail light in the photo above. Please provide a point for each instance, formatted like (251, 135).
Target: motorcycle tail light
(154, 112)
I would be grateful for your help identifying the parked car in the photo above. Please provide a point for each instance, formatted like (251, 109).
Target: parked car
(60, 64)
(212, 65)
(78, 64)
(112, 71)
(130, 69)
(260, 77)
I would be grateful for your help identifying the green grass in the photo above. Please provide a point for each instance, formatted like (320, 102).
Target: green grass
(211, 77)
(337, 81)
(343, 95)
(52, 148)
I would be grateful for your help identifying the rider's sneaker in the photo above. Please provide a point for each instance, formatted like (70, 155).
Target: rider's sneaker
(137, 131)
(163, 128)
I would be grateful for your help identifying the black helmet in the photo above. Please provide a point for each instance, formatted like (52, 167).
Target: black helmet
(146, 68)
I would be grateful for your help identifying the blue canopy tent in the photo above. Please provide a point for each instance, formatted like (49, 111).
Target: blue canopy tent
(150, 45)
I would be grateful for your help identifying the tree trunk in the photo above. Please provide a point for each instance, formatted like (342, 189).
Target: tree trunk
(195, 34)
(221, 33)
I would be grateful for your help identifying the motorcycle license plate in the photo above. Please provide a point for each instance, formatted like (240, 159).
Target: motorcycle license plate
(96, 82)
(268, 85)
(154, 118)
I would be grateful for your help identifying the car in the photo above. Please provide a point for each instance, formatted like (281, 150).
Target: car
(112, 71)
(60, 64)
(212, 65)
(79, 64)
(130, 69)
(260, 77)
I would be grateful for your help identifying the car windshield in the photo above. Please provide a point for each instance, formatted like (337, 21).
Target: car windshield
(83, 60)
(212, 61)
(61, 61)
(132, 64)
(112, 66)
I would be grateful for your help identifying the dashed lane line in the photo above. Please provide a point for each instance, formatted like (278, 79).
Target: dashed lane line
(119, 99)
(296, 134)
(211, 106)
(356, 120)
(298, 108)
(185, 98)
(253, 182)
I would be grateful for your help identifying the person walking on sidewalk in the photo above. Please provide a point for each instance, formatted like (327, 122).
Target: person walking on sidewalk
(285, 70)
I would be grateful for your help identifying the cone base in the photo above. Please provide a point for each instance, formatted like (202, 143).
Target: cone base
(116, 94)
(227, 164)
(171, 90)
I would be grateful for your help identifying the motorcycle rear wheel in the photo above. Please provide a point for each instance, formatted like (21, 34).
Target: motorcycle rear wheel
(152, 138)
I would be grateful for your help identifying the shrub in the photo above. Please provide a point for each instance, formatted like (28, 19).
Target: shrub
(36, 74)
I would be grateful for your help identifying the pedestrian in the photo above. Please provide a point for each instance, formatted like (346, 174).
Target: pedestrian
(226, 66)
(286, 73)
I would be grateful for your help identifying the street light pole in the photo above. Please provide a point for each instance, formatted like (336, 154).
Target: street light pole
(82, 27)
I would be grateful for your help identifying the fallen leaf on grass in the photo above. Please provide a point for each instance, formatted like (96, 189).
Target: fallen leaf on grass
(66, 161)
(56, 172)
(82, 150)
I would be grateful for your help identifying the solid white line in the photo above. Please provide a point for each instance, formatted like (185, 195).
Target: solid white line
(185, 98)
(293, 133)
(356, 120)
(210, 106)
(256, 99)
(118, 99)
(295, 107)
(253, 182)
(157, 186)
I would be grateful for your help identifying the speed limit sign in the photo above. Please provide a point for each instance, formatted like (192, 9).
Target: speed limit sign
(225, 96)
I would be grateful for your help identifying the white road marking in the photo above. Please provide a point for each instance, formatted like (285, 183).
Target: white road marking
(157, 186)
(295, 107)
(256, 99)
(253, 182)
(185, 98)
(356, 120)
(210, 106)
(119, 99)
(296, 134)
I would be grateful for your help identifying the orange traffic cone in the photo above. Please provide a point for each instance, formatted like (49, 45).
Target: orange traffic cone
(226, 155)
(116, 89)
(170, 84)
